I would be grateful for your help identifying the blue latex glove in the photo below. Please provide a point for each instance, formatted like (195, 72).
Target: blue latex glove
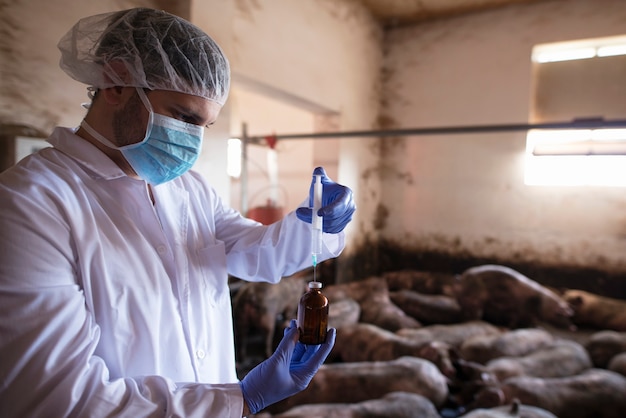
(337, 204)
(287, 372)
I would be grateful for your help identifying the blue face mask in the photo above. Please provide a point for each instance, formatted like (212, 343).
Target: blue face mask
(169, 149)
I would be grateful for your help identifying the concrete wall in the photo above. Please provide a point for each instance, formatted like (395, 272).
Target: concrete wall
(464, 195)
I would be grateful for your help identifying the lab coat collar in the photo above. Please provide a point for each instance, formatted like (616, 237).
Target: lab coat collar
(101, 166)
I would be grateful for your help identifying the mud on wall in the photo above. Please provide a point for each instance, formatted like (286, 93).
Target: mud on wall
(453, 201)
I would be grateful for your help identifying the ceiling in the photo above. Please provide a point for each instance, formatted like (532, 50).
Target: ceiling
(407, 12)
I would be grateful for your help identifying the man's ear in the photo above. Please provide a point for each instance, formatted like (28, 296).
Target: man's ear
(113, 95)
(117, 74)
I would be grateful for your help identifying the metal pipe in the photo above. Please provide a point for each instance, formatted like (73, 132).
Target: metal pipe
(592, 123)
(587, 123)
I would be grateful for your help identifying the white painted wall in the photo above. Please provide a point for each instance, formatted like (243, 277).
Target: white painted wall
(464, 194)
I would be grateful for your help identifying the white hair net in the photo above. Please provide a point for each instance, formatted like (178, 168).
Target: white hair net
(145, 48)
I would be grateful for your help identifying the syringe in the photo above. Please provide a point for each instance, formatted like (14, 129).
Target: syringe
(316, 223)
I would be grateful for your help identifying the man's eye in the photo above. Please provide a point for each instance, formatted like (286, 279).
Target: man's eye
(187, 118)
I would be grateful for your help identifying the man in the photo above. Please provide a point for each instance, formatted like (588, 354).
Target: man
(114, 257)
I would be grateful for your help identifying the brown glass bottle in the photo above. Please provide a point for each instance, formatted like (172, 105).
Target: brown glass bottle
(313, 315)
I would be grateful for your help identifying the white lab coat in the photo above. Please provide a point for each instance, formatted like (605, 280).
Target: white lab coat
(110, 305)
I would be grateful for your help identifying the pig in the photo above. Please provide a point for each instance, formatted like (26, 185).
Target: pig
(366, 342)
(425, 282)
(428, 309)
(394, 404)
(343, 313)
(258, 306)
(604, 345)
(514, 343)
(561, 358)
(452, 334)
(592, 393)
(361, 381)
(440, 343)
(515, 409)
(372, 295)
(618, 364)
(596, 311)
(503, 296)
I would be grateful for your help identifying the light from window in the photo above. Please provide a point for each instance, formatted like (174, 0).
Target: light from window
(611, 50)
(583, 157)
(575, 50)
(233, 164)
(588, 87)
(578, 142)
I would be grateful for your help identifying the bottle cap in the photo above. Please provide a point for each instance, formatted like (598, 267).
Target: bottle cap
(315, 285)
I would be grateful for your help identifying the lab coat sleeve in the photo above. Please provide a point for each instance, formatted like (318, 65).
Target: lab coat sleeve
(48, 336)
(258, 252)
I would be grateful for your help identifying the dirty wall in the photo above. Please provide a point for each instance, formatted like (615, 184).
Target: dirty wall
(444, 201)
(450, 201)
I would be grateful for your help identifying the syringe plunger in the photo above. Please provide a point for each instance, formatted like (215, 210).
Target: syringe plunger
(316, 221)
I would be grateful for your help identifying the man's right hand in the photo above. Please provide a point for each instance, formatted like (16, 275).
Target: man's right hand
(287, 372)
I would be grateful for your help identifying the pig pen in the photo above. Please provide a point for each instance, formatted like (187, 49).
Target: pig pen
(488, 342)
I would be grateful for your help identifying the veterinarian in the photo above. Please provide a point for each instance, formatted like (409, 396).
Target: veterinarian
(114, 256)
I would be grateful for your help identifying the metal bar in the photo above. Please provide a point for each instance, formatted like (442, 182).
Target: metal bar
(450, 130)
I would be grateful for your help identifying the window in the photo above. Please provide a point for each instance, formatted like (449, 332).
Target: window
(576, 157)
(578, 80)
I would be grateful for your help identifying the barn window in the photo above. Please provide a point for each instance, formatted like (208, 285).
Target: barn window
(582, 79)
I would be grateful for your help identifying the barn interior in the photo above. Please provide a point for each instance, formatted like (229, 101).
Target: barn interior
(432, 112)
